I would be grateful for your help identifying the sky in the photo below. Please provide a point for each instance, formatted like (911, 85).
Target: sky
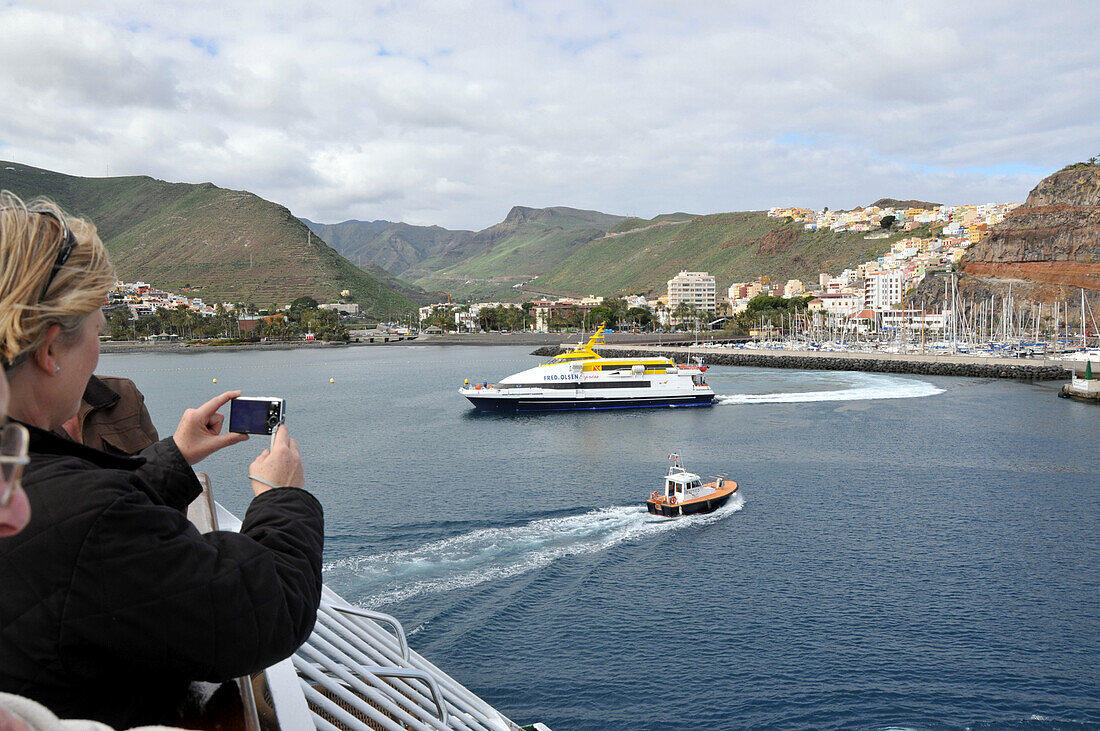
(450, 113)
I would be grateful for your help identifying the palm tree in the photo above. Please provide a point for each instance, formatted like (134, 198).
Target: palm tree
(682, 312)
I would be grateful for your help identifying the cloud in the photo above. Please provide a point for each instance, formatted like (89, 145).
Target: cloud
(450, 113)
(65, 60)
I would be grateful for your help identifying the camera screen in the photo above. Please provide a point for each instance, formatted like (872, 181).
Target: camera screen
(249, 417)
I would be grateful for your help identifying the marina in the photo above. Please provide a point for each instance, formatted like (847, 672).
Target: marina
(929, 539)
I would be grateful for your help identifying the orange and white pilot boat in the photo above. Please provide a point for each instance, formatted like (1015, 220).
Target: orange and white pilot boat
(685, 493)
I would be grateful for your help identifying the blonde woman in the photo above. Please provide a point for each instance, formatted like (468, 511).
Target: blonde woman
(112, 602)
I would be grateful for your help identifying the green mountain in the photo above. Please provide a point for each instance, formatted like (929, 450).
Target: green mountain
(226, 245)
(528, 243)
(565, 251)
(395, 247)
(495, 262)
(731, 246)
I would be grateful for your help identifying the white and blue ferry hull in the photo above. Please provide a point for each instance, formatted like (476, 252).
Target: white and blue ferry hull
(516, 400)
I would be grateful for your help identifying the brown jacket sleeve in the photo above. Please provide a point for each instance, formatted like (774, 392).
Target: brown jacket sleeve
(113, 417)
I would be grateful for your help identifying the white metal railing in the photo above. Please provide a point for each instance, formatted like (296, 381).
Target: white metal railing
(353, 675)
(352, 664)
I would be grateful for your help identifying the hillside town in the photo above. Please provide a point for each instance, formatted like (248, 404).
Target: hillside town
(142, 298)
(869, 297)
(138, 310)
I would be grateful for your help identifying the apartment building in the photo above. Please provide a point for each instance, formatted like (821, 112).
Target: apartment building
(696, 289)
(793, 288)
(883, 289)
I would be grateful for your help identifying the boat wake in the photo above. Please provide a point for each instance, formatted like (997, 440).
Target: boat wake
(861, 387)
(499, 553)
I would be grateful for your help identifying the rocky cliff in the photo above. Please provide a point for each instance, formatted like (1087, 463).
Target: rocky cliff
(1047, 248)
(1077, 185)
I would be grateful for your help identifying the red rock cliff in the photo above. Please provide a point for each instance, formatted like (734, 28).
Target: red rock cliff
(1052, 242)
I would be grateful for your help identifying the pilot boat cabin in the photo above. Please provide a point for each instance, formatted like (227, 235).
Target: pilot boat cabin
(684, 493)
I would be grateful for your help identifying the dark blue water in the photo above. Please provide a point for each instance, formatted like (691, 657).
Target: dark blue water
(906, 552)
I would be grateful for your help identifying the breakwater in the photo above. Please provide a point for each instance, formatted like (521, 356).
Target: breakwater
(915, 363)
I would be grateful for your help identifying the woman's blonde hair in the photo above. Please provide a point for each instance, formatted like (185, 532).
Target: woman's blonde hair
(31, 240)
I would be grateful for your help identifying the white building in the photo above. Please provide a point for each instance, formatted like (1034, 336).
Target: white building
(837, 303)
(883, 289)
(696, 289)
(793, 288)
(914, 320)
(345, 308)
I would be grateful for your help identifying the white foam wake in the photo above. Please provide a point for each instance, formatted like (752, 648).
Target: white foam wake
(497, 553)
(862, 387)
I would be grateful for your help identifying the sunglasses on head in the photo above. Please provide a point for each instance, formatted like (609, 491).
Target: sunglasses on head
(68, 243)
(13, 457)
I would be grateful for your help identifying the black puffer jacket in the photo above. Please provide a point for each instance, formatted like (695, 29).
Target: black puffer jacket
(111, 601)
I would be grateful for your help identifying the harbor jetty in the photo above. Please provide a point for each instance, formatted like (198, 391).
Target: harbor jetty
(1084, 388)
(1026, 369)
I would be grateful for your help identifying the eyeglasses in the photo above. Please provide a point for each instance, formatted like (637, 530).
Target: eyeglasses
(68, 243)
(13, 457)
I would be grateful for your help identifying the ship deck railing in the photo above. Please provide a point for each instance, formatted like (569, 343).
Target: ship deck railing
(356, 672)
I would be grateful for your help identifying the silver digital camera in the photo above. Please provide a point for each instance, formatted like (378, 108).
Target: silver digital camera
(256, 414)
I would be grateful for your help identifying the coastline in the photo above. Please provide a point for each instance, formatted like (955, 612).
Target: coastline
(547, 344)
(525, 339)
(129, 346)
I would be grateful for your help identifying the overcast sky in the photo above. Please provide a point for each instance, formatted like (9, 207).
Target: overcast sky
(450, 113)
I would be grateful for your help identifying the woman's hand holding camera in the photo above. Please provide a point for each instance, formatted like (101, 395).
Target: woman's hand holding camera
(280, 466)
(199, 433)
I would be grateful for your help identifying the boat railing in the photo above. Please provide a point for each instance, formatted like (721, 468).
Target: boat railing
(204, 513)
(352, 674)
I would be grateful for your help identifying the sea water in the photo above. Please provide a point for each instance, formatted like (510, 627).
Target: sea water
(904, 551)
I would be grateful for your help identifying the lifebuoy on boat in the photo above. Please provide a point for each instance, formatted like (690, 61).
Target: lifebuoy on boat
(672, 500)
(653, 497)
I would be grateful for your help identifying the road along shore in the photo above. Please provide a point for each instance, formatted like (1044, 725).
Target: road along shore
(1031, 369)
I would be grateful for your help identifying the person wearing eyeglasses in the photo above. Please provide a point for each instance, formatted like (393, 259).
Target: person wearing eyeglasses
(17, 713)
(14, 510)
(111, 602)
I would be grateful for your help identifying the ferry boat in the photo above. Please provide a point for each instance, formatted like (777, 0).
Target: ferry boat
(685, 493)
(583, 379)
